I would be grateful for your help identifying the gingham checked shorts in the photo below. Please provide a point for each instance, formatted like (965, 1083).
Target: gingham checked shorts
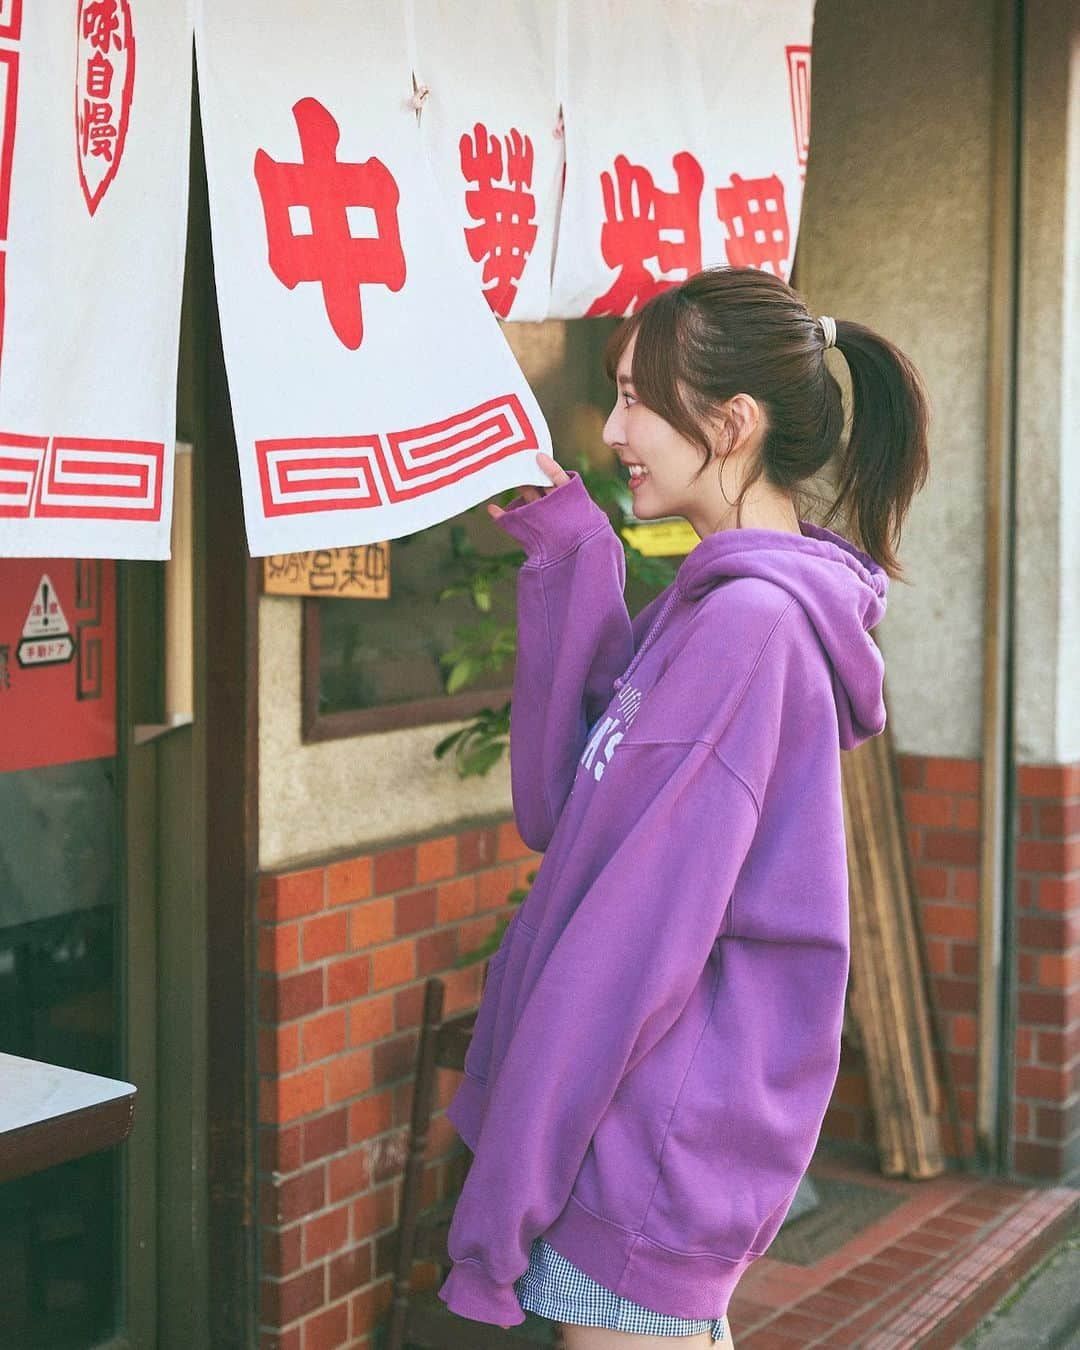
(555, 1288)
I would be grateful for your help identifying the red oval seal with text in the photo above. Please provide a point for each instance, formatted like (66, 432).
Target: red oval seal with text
(105, 74)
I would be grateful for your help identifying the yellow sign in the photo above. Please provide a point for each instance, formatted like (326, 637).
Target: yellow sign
(661, 538)
(348, 573)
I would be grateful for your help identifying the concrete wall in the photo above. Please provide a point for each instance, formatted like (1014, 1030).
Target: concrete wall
(316, 800)
(896, 234)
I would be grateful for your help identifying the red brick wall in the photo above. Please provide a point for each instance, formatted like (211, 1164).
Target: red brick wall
(343, 953)
(1046, 1139)
(941, 803)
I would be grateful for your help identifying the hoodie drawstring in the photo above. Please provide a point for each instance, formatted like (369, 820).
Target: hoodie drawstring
(669, 604)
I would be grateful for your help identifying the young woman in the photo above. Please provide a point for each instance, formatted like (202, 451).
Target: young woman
(659, 1034)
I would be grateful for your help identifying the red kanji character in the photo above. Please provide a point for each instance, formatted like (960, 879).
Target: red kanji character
(98, 132)
(327, 252)
(755, 223)
(100, 24)
(630, 239)
(99, 76)
(508, 211)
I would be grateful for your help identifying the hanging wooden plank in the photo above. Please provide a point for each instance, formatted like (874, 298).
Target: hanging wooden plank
(888, 993)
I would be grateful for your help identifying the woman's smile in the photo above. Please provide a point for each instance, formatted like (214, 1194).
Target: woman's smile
(638, 474)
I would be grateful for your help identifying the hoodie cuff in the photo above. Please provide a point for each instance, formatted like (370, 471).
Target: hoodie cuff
(470, 1292)
(556, 523)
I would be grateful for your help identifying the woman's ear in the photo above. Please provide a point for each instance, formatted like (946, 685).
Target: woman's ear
(743, 415)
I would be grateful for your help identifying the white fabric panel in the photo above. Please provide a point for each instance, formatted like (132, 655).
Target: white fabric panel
(93, 219)
(687, 125)
(372, 391)
(489, 126)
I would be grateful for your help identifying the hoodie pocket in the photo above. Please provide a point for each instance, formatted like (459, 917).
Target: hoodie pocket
(750, 1109)
(620, 1170)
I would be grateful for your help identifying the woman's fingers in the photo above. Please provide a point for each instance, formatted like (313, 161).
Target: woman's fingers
(529, 491)
(555, 472)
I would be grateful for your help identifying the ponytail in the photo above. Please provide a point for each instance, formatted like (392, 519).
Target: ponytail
(885, 461)
(730, 330)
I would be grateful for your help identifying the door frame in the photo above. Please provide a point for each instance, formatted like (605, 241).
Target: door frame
(189, 853)
(226, 583)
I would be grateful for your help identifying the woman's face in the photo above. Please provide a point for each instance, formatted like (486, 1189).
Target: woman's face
(662, 462)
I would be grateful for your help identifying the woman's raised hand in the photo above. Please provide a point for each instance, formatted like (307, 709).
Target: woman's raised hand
(530, 491)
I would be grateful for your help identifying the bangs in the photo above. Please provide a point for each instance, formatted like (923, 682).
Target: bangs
(616, 345)
(663, 329)
(654, 371)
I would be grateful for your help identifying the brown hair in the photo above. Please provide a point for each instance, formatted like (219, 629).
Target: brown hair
(731, 330)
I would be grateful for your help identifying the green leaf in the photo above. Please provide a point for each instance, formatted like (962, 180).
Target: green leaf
(447, 743)
(461, 674)
(479, 761)
(481, 953)
(481, 593)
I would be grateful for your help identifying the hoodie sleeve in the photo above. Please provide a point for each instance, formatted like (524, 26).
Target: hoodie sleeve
(574, 638)
(685, 822)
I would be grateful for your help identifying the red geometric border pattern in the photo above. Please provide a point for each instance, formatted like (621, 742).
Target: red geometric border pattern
(20, 463)
(798, 64)
(11, 27)
(9, 68)
(81, 479)
(317, 473)
(9, 59)
(498, 426)
(331, 473)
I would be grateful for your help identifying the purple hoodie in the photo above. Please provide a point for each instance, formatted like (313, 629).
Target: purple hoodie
(659, 1033)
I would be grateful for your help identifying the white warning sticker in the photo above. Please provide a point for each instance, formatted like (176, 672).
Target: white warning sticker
(46, 637)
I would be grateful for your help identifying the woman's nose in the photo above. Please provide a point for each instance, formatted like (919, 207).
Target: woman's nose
(613, 430)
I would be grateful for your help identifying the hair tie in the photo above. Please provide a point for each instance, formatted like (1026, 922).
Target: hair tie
(828, 327)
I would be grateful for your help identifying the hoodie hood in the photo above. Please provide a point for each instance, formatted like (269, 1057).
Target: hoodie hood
(842, 590)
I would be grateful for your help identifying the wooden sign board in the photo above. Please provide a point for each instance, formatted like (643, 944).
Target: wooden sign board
(361, 573)
(662, 538)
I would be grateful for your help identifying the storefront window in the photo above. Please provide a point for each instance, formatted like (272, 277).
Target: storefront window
(375, 664)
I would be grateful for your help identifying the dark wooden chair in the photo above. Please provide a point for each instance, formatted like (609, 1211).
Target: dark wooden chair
(419, 1318)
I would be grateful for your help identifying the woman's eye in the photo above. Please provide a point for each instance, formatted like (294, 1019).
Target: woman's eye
(627, 399)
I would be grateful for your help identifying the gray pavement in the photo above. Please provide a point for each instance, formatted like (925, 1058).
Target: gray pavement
(1041, 1311)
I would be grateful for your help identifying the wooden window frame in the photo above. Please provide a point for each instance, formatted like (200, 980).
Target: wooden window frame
(316, 726)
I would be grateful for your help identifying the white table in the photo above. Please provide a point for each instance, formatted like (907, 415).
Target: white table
(50, 1115)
